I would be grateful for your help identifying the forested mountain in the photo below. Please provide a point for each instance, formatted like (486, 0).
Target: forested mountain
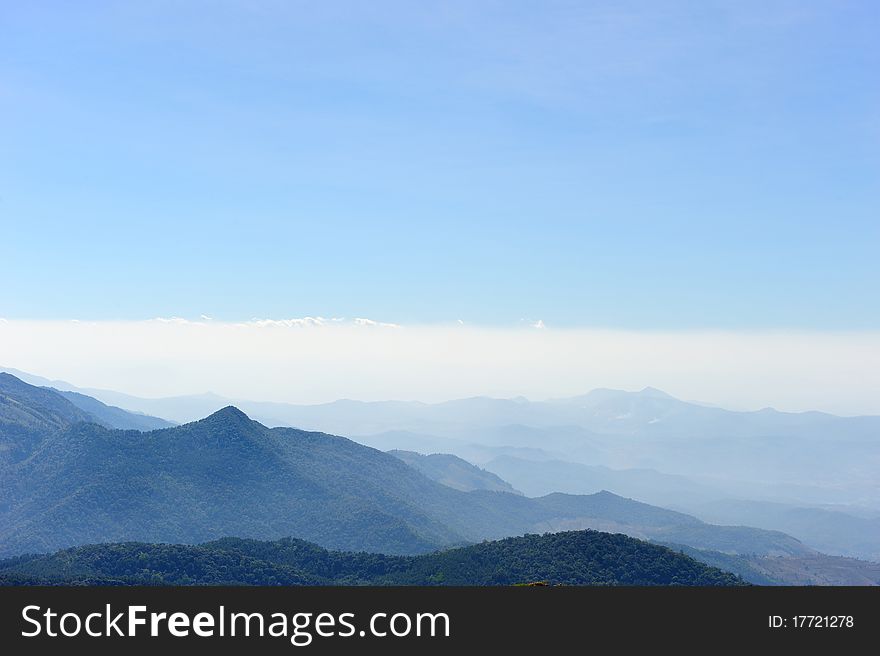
(37, 407)
(454, 472)
(224, 475)
(569, 558)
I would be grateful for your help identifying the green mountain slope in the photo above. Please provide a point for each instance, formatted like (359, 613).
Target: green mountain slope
(571, 558)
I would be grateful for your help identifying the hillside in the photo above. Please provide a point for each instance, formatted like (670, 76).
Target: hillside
(454, 472)
(572, 558)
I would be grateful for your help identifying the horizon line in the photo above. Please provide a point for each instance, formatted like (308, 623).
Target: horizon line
(13, 371)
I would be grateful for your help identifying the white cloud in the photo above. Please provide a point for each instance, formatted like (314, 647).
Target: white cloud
(177, 320)
(539, 324)
(313, 359)
(287, 323)
(370, 322)
(314, 322)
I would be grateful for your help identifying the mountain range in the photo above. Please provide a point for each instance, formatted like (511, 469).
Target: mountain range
(68, 478)
(649, 412)
(227, 475)
(802, 459)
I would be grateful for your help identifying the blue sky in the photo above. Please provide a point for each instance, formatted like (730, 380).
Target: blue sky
(636, 165)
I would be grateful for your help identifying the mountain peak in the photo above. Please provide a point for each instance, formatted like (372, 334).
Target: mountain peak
(654, 393)
(229, 413)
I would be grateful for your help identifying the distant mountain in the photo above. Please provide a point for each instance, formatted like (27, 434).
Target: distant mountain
(817, 569)
(829, 531)
(537, 478)
(472, 452)
(454, 472)
(655, 413)
(647, 413)
(811, 569)
(571, 558)
(229, 475)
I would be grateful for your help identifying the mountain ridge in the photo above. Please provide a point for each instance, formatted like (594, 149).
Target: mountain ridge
(265, 409)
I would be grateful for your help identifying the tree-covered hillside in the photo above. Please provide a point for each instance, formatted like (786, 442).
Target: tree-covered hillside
(569, 558)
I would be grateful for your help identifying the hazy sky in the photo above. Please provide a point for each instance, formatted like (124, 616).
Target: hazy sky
(641, 168)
